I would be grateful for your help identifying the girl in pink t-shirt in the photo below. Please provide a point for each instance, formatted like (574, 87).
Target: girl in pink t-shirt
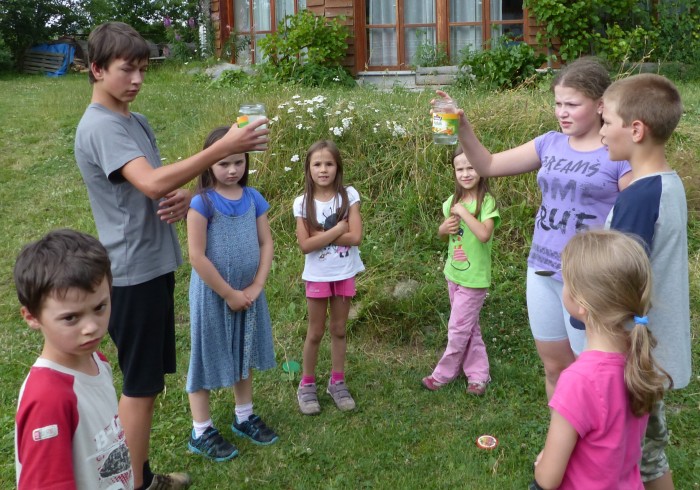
(602, 401)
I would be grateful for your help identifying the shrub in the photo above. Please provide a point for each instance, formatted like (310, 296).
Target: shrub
(304, 38)
(678, 26)
(6, 62)
(634, 45)
(507, 65)
(580, 24)
(313, 75)
(428, 54)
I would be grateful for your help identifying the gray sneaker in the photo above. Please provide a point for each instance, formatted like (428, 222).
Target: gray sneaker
(341, 396)
(308, 400)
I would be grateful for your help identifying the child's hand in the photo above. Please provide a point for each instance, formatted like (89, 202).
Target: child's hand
(445, 95)
(459, 210)
(343, 226)
(174, 206)
(252, 292)
(450, 226)
(238, 300)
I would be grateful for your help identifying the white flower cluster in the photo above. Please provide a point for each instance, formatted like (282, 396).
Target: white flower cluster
(312, 105)
(396, 129)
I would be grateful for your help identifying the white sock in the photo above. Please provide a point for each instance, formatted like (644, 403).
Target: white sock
(200, 427)
(243, 412)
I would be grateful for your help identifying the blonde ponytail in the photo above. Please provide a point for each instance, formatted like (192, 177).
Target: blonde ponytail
(609, 274)
(645, 380)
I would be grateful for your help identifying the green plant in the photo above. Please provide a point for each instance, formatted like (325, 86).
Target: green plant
(304, 38)
(579, 25)
(678, 25)
(6, 61)
(182, 38)
(634, 45)
(232, 78)
(430, 54)
(507, 65)
(313, 75)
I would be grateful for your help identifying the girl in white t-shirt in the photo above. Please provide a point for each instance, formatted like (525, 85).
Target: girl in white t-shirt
(329, 229)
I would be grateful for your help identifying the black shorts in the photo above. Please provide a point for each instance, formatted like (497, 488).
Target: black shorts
(142, 327)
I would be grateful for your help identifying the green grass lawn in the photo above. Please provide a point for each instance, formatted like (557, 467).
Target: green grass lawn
(401, 436)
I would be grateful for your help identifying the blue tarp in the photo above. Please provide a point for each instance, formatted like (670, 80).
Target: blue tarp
(66, 49)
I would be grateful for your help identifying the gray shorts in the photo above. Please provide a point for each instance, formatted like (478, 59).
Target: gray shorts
(549, 320)
(654, 462)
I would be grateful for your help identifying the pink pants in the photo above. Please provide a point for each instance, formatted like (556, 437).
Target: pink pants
(465, 347)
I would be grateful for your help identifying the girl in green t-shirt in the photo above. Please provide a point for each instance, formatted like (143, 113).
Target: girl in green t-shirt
(470, 219)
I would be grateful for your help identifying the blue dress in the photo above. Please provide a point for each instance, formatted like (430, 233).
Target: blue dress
(227, 344)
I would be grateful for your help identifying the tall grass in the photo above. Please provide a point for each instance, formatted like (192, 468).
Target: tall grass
(401, 436)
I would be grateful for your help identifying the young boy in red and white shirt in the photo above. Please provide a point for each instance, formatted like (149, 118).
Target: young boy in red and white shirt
(67, 430)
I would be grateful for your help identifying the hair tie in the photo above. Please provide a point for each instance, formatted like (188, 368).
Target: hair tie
(641, 320)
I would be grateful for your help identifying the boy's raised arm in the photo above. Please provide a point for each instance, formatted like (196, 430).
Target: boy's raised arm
(158, 182)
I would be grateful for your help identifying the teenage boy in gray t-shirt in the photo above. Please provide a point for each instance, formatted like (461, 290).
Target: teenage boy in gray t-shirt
(134, 202)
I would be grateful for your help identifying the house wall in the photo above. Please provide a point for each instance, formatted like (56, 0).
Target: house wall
(330, 9)
(215, 12)
(333, 9)
(348, 9)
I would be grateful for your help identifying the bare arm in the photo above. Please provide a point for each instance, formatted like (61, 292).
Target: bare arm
(197, 245)
(308, 242)
(266, 255)
(481, 230)
(158, 182)
(552, 461)
(518, 160)
(624, 181)
(353, 237)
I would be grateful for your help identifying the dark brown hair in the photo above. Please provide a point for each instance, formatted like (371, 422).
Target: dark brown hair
(113, 40)
(308, 203)
(206, 179)
(62, 260)
(482, 188)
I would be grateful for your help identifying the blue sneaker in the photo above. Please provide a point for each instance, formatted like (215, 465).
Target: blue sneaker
(255, 430)
(212, 446)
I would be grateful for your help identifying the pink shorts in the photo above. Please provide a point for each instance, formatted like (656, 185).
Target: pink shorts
(346, 287)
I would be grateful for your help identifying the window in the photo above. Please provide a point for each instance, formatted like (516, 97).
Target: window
(254, 19)
(393, 29)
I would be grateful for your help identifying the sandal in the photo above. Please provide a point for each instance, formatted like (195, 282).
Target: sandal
(431, 384)
(477, 388)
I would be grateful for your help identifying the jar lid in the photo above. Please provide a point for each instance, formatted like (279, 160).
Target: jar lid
(486, 442)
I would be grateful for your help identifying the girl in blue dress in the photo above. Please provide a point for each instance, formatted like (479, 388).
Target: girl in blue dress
(231, 250)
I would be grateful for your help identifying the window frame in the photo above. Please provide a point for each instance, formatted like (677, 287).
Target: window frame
(227, 12)
(442, 28)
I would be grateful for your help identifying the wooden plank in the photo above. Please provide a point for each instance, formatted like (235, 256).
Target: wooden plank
(42, 61)
(315, 3)
(338, 11)
(338, 3)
